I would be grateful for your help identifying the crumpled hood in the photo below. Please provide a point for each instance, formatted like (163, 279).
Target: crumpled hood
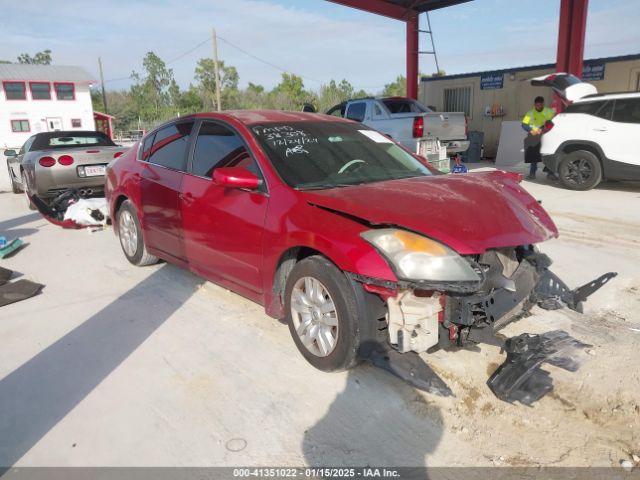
(468, 212)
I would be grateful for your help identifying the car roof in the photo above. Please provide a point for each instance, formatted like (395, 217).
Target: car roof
(607, 96)
(253, 117)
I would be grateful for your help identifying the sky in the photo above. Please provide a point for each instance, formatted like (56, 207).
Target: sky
(315, 39)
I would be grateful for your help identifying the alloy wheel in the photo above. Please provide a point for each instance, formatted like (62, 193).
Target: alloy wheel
(579, 171)
(128, 233)
(314, 315)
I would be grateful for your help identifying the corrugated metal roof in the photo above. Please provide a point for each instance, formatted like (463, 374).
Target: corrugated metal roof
(50, 73)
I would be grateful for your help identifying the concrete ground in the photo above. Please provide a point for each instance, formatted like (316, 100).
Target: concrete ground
(114, 365)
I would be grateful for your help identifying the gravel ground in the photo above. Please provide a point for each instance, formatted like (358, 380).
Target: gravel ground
(114, 365)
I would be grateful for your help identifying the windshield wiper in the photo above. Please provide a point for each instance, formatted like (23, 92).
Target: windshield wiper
(326, 186)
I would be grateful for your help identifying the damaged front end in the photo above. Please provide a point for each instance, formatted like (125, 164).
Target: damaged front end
(424, 315)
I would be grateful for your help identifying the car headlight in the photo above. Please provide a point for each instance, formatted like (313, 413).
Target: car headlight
(415, 257)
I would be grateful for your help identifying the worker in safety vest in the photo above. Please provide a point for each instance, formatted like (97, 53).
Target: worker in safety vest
(533, 122)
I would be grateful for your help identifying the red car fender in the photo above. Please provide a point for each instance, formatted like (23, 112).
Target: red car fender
(332, 235)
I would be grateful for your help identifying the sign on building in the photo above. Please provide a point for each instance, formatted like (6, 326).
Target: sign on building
(491, 81)
(594, 71)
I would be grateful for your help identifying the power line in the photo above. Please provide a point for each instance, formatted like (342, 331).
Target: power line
(249, 54)
(173, 60)
(266, 62)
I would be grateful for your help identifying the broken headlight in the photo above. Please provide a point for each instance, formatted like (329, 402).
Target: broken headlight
(414, 257)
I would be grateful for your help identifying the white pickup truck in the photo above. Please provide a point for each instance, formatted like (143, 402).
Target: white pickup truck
(407, 121)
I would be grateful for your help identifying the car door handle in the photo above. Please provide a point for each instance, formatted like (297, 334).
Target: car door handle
(187, 199)
(136, 177)
(600, 129)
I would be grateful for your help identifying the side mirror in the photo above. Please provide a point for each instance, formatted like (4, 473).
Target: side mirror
(10, 153)
(236, 177)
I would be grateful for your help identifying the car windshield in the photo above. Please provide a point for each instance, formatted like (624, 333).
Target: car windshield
(310, 155)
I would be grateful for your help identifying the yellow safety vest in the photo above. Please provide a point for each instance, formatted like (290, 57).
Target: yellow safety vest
(536, 119)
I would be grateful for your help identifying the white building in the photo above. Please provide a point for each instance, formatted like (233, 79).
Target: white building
(41, 98)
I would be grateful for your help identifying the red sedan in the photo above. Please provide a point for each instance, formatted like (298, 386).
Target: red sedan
(333, 226)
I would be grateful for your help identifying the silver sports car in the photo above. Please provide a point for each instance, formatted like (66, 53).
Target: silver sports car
(51, 163)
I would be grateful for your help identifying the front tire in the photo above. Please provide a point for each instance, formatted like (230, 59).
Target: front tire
(130, 235)
(322, 313)
(580, 170)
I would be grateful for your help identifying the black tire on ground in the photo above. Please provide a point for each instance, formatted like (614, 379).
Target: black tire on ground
(138, 255)
(14, 186)
(580, 170)
(351, 330)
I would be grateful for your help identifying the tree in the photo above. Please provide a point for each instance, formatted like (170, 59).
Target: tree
(290, 94)
(205, 76)
(333, 94)
(40, 58)
(151, 92)
(398, 88)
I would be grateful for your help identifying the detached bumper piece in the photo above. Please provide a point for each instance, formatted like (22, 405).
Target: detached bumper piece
(520, 378)
(11, 292)
(410, 368)
(70, 210)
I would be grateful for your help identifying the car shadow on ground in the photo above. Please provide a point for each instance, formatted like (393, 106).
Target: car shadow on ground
(15, 222)
(41, 392)
(378, 420)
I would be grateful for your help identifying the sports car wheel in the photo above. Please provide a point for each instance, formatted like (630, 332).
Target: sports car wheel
(130, 235)
(580, 170)
(14, 186)
(322, 314)
(30, 204)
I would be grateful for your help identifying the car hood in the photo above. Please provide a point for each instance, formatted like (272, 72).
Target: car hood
(468, 212)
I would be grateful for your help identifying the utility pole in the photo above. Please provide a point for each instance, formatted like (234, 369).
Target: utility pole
(216, 68)
(104, 95)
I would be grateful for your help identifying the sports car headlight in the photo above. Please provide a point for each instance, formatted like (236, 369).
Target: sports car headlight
(415, 257)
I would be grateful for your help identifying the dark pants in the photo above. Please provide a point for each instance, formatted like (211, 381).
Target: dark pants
(532, 153)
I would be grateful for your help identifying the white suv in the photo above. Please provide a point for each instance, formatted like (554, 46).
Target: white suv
(596, 138)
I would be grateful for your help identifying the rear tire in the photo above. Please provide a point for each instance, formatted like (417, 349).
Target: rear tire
(14, 187)
(580, 170)
(323, 315)
(25, 189)
(130, 235)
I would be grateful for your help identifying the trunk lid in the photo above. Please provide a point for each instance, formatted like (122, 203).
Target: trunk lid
(568, 86)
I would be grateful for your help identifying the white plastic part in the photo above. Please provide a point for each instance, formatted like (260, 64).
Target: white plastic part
(416, 318)
(80, 212)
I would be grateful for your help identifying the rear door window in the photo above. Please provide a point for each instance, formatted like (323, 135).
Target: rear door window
(356, 111)
(588, 108)
(627, 110)
(605, 111)
(170, 146)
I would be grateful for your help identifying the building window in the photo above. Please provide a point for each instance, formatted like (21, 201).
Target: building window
(15, 90)
(65, 91)
(18, 126)
(76, 123)
(458, 100)
(40, 90)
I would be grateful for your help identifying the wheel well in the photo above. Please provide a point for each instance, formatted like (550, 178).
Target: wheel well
(574, 147)
(121, 199)
(286, 264)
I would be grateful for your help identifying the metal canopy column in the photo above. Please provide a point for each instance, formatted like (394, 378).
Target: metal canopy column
(571, 35)
(412, 55)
